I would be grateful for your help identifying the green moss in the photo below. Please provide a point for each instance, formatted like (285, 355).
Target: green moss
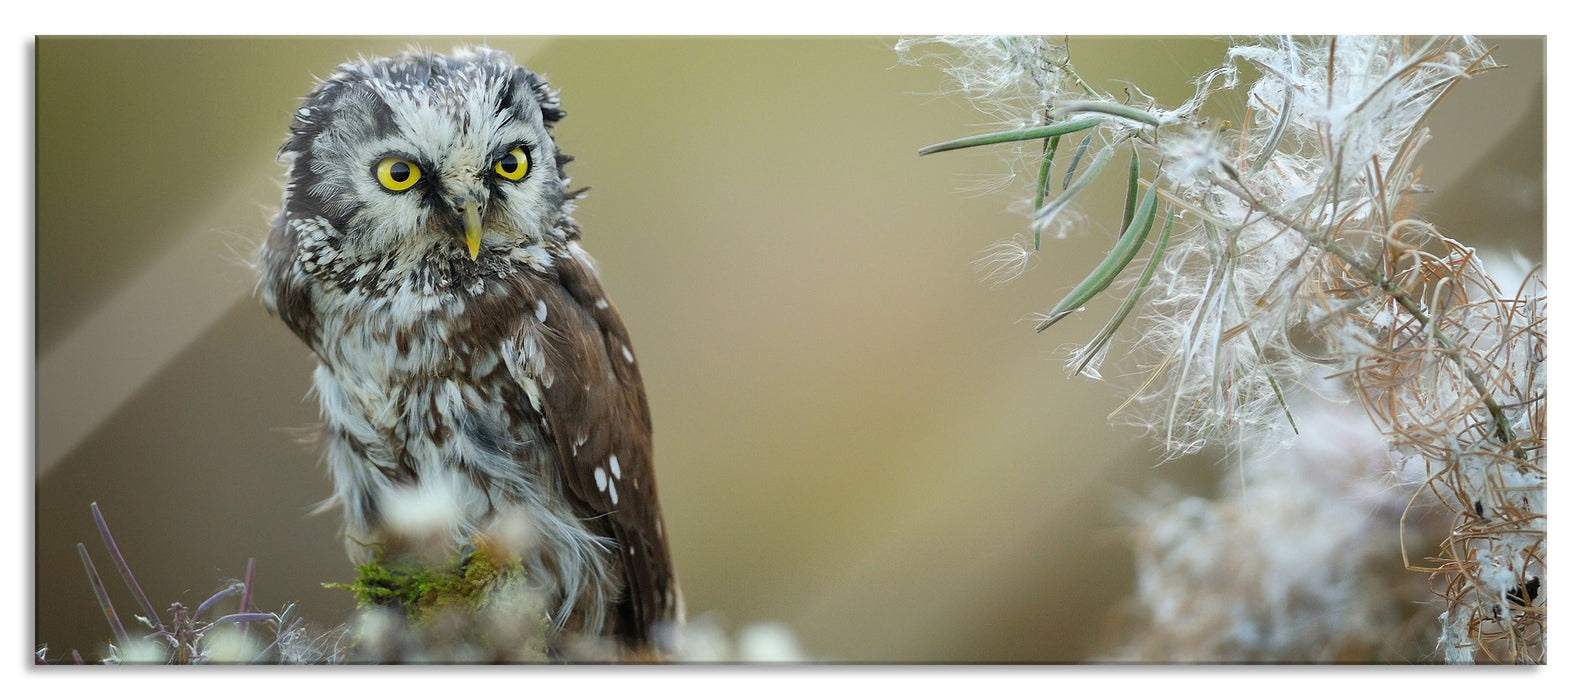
(417, 588)
(476, 608)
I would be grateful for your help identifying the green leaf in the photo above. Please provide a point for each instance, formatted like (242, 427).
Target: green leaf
(1037, 132)
(1124, 251)
(1273, 144)
(1114, 109)
(1100, 340)
(1082, 149)
(1131, 192)
(1042, 190)
(1042, 217)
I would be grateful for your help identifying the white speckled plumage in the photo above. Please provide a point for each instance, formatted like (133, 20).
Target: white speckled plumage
(491, 381)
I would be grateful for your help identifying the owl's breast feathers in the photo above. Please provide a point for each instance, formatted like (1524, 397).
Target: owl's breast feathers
(522, 377)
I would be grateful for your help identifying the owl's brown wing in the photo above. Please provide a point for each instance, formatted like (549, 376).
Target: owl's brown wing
(595, 408)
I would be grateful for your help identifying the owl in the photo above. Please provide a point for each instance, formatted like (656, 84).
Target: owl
(425, 252)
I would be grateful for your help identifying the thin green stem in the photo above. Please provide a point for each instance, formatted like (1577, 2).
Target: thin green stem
(1065, 67)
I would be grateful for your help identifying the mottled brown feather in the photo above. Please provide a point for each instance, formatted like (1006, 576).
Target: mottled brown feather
(593, 391)
(284, 292)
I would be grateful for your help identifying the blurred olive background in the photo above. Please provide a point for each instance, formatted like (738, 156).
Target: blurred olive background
(854, 435)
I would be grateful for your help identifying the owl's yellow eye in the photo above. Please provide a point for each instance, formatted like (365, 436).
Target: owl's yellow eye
(513, 166)
(397, 175)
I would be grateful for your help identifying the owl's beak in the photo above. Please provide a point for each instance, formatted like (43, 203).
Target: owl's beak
(472, 220)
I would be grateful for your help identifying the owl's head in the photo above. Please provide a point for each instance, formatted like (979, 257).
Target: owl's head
(420, 155)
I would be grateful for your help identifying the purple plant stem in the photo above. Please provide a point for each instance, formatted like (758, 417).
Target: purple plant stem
(126, 571)
(182, 633)
(217, 597)
(103, 596)
(77, 658)
(241, 618)
(247, 595)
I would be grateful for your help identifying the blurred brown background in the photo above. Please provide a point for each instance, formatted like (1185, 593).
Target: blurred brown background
(855, 436)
